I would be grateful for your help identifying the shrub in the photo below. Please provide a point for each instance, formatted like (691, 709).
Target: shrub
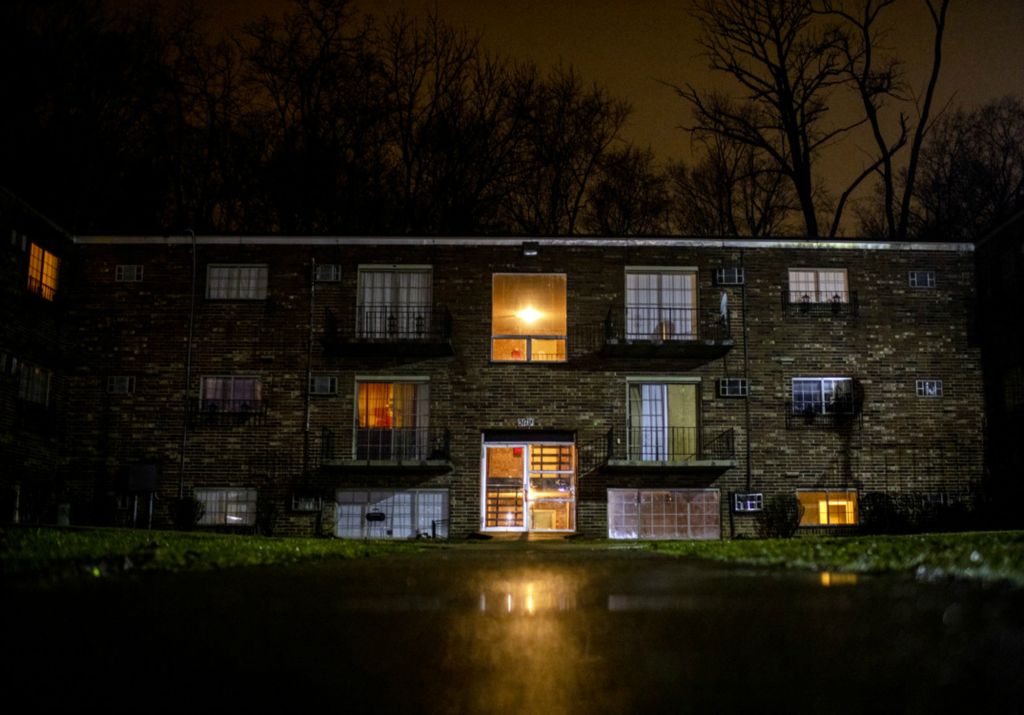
(779, 518)
(187, 512)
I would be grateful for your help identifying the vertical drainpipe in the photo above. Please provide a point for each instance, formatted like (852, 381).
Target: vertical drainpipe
(746, 366)
(188, 369)
(309, 365)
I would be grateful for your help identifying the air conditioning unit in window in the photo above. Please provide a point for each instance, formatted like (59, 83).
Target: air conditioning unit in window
(733, 387)
(328, 273)
(128, 273)
(731, 276)
(747, 502)
(323, 385)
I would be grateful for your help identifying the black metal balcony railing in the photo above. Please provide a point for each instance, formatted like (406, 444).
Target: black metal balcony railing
(820, 302)
(392, 323)
(843, 412)
(658, 446)
(400, 444)
(205, 411)
(661, 324)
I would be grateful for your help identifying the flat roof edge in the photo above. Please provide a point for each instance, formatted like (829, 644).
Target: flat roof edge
(786, 243)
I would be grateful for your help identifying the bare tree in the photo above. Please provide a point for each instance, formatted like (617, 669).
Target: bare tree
(630, 196)
(789, 57)
(732, 191)
(570, 128)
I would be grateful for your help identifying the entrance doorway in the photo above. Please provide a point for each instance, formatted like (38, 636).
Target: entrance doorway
(529, 486)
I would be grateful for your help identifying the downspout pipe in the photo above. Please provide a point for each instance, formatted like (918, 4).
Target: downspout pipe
(188, 367)
(746, 369)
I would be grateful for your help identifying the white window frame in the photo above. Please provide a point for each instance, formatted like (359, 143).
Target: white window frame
(733, 387)
(730, 276)
(655, 446)
(929, 388)
(395, 308)
(128, 273)
(826, 389)
(827, 493)
(352, 505)
(328, 272)
(921, 279)
(230, 403)
(672, 320)
(815, 290)
(323, 385)
(236, 281)
(234, 506)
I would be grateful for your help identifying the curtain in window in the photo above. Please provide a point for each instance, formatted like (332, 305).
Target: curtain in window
(660, 306)
(237, 282)
(231, 394)
(663, 422)
(394, 303)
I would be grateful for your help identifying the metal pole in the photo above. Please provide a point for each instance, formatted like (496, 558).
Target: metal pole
(188, 369)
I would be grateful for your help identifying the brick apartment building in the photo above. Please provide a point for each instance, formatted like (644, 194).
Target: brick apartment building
(624, 388)
(403, 387)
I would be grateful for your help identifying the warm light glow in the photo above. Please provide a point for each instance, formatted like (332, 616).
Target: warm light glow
(837, 579)
(529, 314)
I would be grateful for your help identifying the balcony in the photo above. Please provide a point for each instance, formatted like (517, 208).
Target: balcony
(679, 450)
(826, 304)
(389, 330)
(426, 449)
(651, 331)
(226, 413)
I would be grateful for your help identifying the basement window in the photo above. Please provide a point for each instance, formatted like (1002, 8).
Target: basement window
(528, 317)
(227, 507)
(828, 508)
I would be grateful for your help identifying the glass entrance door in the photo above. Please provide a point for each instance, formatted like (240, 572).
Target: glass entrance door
(529, 487)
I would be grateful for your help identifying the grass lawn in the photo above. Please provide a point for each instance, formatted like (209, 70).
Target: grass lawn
(51, 553)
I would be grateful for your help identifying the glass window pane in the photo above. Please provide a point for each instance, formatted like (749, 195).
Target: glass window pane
(527, 304)
(508, 349)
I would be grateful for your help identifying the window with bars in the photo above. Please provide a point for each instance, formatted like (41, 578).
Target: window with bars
(392, 420)
(127, 273)
(813, 285)
(922, 279)
(661, 305)
(43, 272)
(394, 302)
(391, 514)
(822, 396)
(528, 317)
(828, 508)
(227, 506)
(231, 394)
(663, 421)
(236, 281)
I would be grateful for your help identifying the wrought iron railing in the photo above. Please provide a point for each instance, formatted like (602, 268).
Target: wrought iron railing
(820, 302)
(660, 324)
(390, 323)
(662, 445)
(205, 411)
(399, 444)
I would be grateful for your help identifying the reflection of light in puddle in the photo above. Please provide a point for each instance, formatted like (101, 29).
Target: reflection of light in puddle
(530, 594)
(832, 578)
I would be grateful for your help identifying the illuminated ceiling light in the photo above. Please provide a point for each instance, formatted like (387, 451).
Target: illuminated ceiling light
(529, 314)
(530, 248)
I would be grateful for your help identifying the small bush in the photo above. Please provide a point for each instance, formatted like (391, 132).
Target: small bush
(780, 517)
(187, 512)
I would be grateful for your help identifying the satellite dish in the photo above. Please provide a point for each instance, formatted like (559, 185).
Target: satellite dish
(723, 305)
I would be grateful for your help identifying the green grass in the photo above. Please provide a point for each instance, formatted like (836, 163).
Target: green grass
(53, 552)
(989, 556)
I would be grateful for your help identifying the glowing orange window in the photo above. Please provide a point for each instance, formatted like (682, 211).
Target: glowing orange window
(43, 269)
(528, 322)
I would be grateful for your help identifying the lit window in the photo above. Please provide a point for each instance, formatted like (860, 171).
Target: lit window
(227, 507)
(929, 388)
(393, 420)
(922, 279)
(231, 394)
(528, 320)
(661, 306)
(394, 302)
(662, 421)
(236, 282)
(827, 508)
(810, 285)
(823, 396)
(43, 269)
(391, 514)
(664, 514)
(34, 383)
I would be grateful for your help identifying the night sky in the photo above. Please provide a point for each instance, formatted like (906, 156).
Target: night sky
(634, 47)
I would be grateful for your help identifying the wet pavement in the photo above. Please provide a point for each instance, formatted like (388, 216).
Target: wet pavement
(516, 628)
